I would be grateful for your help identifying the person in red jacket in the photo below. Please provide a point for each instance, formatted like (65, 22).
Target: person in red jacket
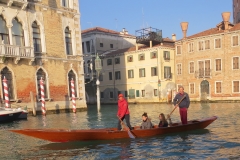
(123, 112)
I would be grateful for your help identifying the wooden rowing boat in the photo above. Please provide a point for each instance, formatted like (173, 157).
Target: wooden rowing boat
(66, 135)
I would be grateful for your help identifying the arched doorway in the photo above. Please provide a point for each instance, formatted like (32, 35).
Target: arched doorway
(204, 89)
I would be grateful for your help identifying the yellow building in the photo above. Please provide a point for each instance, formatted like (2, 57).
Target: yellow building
(144, 73)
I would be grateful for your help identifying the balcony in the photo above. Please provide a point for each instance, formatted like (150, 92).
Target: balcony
(16, 52)
(16, 3)
(203, 73)
(144, 36)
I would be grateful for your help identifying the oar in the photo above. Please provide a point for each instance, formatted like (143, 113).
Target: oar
(130, 134)
(178, 104)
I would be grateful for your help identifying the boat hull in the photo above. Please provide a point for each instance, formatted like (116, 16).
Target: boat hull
(65, 135)
(9, 116)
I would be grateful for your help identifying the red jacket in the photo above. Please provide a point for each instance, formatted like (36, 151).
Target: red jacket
(122, 108)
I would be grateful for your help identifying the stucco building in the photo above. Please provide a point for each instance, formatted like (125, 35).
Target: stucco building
(42, 39)
(143, 73)
(207, 63)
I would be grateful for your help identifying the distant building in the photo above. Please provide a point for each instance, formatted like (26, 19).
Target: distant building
(207, 63)
(42, 40)
(236, 11)
(100, 40)
(144, 73)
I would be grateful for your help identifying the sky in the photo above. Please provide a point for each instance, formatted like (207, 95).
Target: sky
(165, 15)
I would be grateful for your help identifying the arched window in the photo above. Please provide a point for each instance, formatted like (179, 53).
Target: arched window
(36, 38)
(8, 75)
(72, 76)
(42, 74)
(4, 31)
(68, 41)
(17, 33)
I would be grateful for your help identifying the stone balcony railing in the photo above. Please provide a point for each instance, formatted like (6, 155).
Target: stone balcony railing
(16, 52)
(17, 3)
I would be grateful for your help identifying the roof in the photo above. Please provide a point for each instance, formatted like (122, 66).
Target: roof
(215, 30)
(104, 30)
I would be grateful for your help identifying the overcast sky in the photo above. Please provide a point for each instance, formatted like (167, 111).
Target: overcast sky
(161, 14)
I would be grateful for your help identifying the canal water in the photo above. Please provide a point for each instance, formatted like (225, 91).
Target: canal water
(220, 140)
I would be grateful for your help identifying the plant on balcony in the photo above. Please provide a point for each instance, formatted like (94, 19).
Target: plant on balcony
(2, 59)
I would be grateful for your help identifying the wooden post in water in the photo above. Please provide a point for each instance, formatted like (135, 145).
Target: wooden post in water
(33, 104)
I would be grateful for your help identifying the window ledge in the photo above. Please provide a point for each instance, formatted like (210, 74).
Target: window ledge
(46, 99)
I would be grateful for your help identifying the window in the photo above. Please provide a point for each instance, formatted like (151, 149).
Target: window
(155, 91)
(190, 47)
(207, 44)
(204, 68)
(137, 93)
(36, 38)
(179, 50)
(234, 40)
(179, 68)
(109, 62)
(200, 45)
(111, 94)
(102, 95)
(101, 44)
(218, 87)
(153, 55)
(235, 62)
(88, 46)
(100, 77)
(110, 75)
(83, 50)
(191, 88)
(166, 55)
(143, 93)
(126, 94)
(142, 72)
(17, 33)
(111, 45)
(191, 67)
(117, 75)
(218, 43)
(117, 60)
(154, 71)
(8, 75)
(89, 64)
(141, 57)
(218, 65)
(68, 41)
(72, 76)
(167, 72)
(130, 58)
(4, 31)
(235, 86)
(42, 75)
(65, 3)
(130, 73)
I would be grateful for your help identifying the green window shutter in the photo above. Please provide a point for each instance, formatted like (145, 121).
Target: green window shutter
(137, 93)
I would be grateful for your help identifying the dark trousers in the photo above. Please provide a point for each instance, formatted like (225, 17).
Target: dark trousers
(183, 114)
(127, 119)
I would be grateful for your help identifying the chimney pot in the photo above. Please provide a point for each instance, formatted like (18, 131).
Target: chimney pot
(184, 26)
(174, 37)
(226, 17)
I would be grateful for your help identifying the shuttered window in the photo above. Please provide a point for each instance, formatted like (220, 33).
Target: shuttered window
(192, 88)
(235, 86)
(179, 69)
(218, 43)
(235, 62)
(235, 40)
(207, 44)
(191, 67)
(218, 87)
(218, 65)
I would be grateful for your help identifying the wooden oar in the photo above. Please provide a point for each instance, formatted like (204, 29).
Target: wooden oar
(130, 134)
(178, 104)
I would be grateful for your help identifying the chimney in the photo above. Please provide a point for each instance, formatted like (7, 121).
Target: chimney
(184, 26)
(226, 17)
(174, 37)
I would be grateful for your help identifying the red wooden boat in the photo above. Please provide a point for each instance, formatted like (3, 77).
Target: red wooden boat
(65, 135)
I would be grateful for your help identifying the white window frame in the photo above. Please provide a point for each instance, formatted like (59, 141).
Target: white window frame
(215, 89)
(191, 46)
(232, 40)
(238, 62)
(190, 88)
(193, 67)
(233, 86)
(216, 65)
(203, 45)
(177, 68)
(215, 43)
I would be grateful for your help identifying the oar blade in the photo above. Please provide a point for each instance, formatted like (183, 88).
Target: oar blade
(130, 134)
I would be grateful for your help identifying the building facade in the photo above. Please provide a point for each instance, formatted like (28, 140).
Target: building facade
(236, 11)
(42, 40)
(143, 73)
(100, 40)
(207, 63)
